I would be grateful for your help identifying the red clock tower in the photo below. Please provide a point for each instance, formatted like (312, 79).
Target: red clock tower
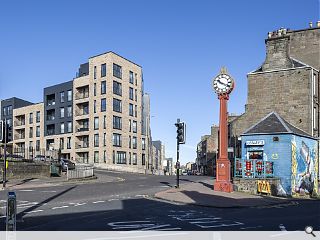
(223, 85)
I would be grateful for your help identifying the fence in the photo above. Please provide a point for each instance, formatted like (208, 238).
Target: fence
(80, 171)
(257, 168)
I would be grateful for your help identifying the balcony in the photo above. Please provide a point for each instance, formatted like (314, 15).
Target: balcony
(51, 103)
(82, 144)
(82, 129)
(50, 117)
(19, 123)
(82, 112)
(82, 95)
(19, 136)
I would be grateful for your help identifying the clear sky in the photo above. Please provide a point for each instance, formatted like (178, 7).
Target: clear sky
(181, 46)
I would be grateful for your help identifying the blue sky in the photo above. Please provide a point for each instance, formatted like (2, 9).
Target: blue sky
(181, 46)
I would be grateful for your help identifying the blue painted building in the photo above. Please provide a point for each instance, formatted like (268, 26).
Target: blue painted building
(273, 148)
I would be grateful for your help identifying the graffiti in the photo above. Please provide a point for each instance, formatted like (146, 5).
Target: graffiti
(274, 156)
(264, 187)
(304, 168)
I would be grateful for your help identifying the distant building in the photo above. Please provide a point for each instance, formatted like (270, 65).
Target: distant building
(158, 155)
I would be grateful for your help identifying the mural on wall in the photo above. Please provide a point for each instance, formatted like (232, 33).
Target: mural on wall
(304, 168)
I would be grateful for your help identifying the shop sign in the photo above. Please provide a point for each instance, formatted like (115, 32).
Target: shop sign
(255, 142)
(264, 187)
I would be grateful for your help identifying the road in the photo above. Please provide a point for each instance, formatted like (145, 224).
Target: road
(128, 205)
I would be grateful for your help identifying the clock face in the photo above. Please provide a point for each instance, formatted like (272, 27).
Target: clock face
(223, 84)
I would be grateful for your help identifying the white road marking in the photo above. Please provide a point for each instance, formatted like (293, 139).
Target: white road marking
(99, 202)
(140, 195)
(79, 204)
(164, 186)
(26, 190)
(49, 191)
(250, 227)
(110, 200)
(35, 211)
(23, 201)
(220, 225)
(3, 200)
(59, 207)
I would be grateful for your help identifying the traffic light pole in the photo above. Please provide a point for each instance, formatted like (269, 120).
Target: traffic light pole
(178, 163)
(4, 155)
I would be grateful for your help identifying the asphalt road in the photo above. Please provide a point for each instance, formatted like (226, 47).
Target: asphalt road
(128, 205)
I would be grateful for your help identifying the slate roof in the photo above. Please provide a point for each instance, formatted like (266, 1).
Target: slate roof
(274, 124)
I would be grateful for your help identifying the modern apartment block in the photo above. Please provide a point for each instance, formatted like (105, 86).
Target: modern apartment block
(100, 117)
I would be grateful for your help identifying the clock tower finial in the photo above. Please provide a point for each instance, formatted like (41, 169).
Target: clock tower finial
(223, 70)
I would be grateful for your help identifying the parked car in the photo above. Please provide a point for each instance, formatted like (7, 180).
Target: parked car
(40, 158)
(66, 164)
(184, 173)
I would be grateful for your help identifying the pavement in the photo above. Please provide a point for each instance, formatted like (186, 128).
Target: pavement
(16, 184)
(202, 194)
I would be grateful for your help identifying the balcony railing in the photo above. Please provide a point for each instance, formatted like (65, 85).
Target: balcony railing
(19, 136)
(82, 129)
(253, 168)
(82, 95)
(50, 132)
(51, 102)
(50, 117)
(80, 145)
(19, 123)
(82, 112)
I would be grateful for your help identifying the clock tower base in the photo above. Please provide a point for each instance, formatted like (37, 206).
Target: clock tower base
(222, 183)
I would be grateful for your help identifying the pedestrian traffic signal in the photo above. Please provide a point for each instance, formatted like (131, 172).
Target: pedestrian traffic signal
(181, 132)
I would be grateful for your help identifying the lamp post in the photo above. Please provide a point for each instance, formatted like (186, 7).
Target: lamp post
(223, 85)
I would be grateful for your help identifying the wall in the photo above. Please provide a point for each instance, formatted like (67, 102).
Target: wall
(25, 170)
(305, 168)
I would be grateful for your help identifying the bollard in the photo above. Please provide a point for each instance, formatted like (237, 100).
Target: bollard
(11, 212)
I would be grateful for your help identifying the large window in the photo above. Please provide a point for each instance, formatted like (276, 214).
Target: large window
(94, 89)
(135, 95)
(116, 139)
(130, 109)
(95, 72)
(134, 159)
(38, 145)
(117, 106)
(121, 158)
(30, 118)
(117, 71)
(69, 111)
(103, 105)
(62, 97)
(96, 157)
(62, 128)
(117, 122)
(143, 156)
(103, 87)
(134, 126)
(68, 142)
(38, 131)
(69, 127)
(131, 77)
(69, 95)
(38, 116)
(103, 70)
(134, 142)
(131, 93)
(104, 139)
(61, 143)
(129, 141)
(143, 142)
(96, 140)
(104, 121)
(96, 123)
(117, 89)
(94, 106)
(62, 112)
(31, 132)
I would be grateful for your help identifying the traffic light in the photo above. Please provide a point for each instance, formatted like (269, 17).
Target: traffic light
(181, 132)
(5, 132)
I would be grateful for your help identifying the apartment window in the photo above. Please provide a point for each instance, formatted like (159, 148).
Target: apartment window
(103, 87)
(113, 157)
(121, 158)
(105, 156)
(136, 78)
(134, 126)
(104, 139)
(130, 125)
(131, 93)
(134, 142)
(117, 106)
(38, 131)
(69, 111)
(96, 140)
(7, 110)
(130, 109)
(130, 158)
(135, 95)
(103, 105)
(135, 110)
(129, 141)
(30, 118)
(38, 145)
(103, 70)
(96, 123)
(314, 118)
(314, 85)
(143, 156)
(94, 89)
(117, 122)
(94, 72)
(62, 112)
(38, 116)
(61, 143)
(30, 146)
(94, 106)
(131, 77)
(117, 88)
(104, 121)
(143, 143)
(62, 97)
(96, 157)
(134, 159)
(69, 127)
(69, 95)
(68, 142)
(117, 71)
(31, 132)
(62, 128)
(116, 139)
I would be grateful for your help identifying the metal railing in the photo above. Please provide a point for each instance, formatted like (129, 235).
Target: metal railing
(253, 168)
(80, 171)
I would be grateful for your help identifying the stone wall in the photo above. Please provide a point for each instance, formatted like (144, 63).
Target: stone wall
(250, 185)
(24, 170)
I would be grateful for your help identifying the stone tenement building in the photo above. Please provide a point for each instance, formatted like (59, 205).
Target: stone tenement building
(100, 117)
(287, 82)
